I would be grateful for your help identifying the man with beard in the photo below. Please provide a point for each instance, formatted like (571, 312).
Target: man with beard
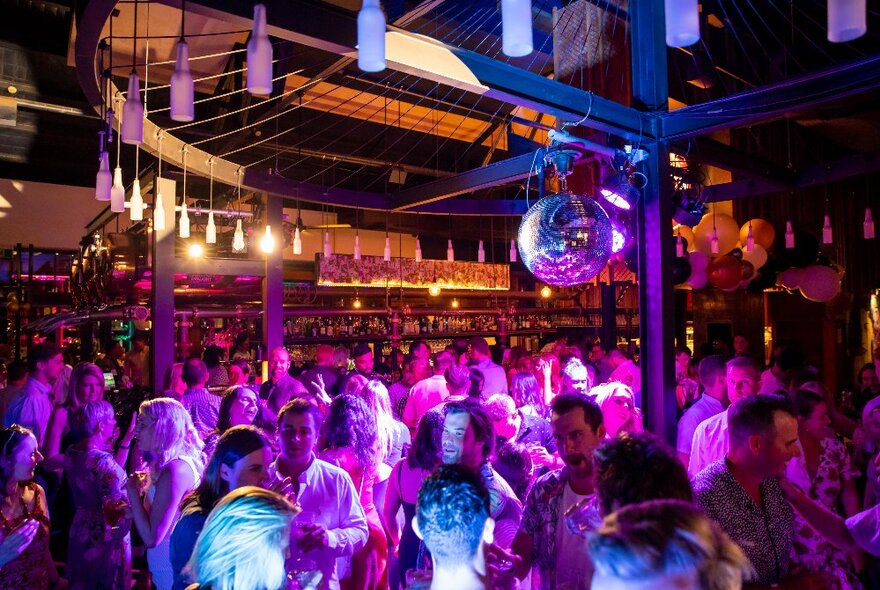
(281, 387)
(545, 541)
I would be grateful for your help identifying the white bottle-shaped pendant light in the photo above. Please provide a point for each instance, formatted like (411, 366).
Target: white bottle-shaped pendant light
(450, 252)
(158, 211)
(211, 230)
(516, 27)
(259, 55)
(789, 236)
(238, 244)
(371, 37)
(136, 205)
(481, 252)
(267, 242)
(183, 223)
(117, 192)
(512, 253)
(328, 249)
(827, 235)
(297, 242)
(386, 252)
(182, 91)
(104, 178)
(868, 225)
(357, 247)
(418, 253)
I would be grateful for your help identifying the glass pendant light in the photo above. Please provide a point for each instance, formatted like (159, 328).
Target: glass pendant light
(259, 55)
(789, 236)
(183, 225)
(238, 244)
(827, 234)
(133, 109)
(450, 253)
(328, 249)
(182, 90)
(267, 242)
(682, 22)
(418, 253)
(297, 242)
(104, 178)
(211, 228)
(136, 205)
(868, 225)
(512, 253)
(481, 252)
(371, 37)
(386, 252)
(117, 192)
(159, 202)
(516, 27)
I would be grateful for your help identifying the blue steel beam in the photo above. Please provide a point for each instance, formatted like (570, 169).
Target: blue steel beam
(773, 100)
(655, 243)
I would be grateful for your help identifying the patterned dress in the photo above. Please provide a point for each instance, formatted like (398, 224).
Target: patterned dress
(811, 553)
(30, 569)
(99, 555)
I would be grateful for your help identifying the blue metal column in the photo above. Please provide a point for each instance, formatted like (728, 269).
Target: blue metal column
(656, 248)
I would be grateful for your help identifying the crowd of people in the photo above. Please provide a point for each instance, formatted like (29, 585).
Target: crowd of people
(463, 473)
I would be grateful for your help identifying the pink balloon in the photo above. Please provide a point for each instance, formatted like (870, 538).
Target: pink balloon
(791, 278)
(699, 262)
(697, 280)
(820, 283)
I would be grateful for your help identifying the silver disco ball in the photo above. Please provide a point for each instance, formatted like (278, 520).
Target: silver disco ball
(565, 239)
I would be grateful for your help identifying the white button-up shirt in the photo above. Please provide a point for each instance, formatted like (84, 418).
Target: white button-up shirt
(328, 498)
(711, 443)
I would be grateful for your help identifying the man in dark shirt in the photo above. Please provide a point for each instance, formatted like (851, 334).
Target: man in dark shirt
(742, 493)
(281, 387)
(362, 355)
(323, 372)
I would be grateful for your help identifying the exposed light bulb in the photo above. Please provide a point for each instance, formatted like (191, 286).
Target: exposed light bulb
(357, 247)
(210, 229)
(267, 242)
(512, 253)
(434, 290)
(328, 249)
(679, 246)
(357, 303)
(386, 253)
(418, 250)
(183, 224)
(750, 240)
(104, 178)
(371, 37)
(868, 225)
(117, 192)
(182, 92)
(259, 55)
(238, 244)
(133, 113)
(158, 212)
(827, 234)
(516, 27)
(714, 245)
(454, 303)
(450, 252)
(481, 252)
(546, 292)
(297, 242)
(136, 205)
(789, 236)
(195, 250)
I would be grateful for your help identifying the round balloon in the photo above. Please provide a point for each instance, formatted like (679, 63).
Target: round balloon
(699, 261)
(697, 280)
(725, 272)
(791, 278)
(728, 233)
(687, 234)
(565, 239)
(820, 283)
(758, 256)
(762, 232)
(681, 270)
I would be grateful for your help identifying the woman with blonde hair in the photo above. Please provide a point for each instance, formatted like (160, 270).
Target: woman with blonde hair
(172, 451)
(618, 404)
(244, 542)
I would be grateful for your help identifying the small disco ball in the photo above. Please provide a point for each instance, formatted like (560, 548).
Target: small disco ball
(565, 239)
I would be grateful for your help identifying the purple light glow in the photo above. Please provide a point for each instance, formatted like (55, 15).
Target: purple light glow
(565, 239)
(615, 199)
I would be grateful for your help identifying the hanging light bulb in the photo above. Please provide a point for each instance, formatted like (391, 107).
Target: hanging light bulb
(512, 252)
(267, 242)
(750, 239)
(210, 230)
(297, 242)
(136, 205)
(682, 22)
(117, 192)
(434, 290)
(847, 20)
(481, 252)
(238, 244)
(104, 179)
(133, 112)
(259, 55)
(714, 246)
(183, 224)
(418, 250)
(357, 247)
(357, 303)
(454, 303)
(868, 225)
(182, 107)
(386, 253)
(679, 246)
(371, 37)
(789, 236)
(158, 211)
(450, 253)
(516, 27)
(328, 249)
(827, 235)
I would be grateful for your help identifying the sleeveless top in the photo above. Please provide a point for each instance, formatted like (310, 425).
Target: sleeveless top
(159, 557)
(28, 570)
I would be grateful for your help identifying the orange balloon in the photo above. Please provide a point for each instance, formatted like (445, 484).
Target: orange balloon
(725, 226)
(725, 272)
(762, 232)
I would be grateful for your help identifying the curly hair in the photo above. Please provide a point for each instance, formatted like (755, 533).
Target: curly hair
(350, 424)
(174, 435)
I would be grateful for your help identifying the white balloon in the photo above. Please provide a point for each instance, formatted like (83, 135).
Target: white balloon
(758, 256)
